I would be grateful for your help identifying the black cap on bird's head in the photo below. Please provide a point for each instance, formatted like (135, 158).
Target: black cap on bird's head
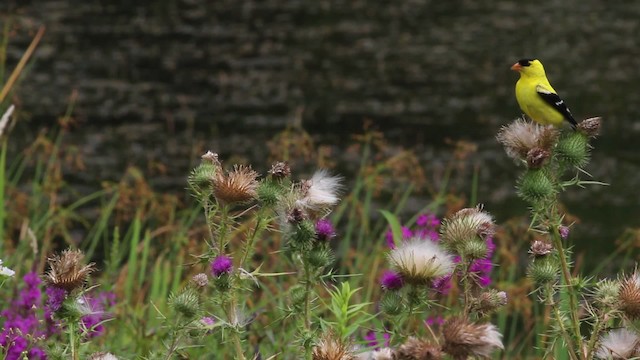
(522, 63)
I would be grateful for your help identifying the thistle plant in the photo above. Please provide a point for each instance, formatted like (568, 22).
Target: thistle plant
(308, 233)
(70, 305)
(548, 155)
(229, 198)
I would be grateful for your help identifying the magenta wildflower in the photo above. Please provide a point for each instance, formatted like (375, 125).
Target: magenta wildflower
(391, 280)
(372, 339)
(428, 220)
(442, 284)
(564, 232)
(325, 230)
(207, 321)
(221, 265)
(22, 318)
(55, 298)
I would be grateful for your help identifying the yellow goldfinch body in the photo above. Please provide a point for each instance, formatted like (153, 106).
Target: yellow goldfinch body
(536, 96)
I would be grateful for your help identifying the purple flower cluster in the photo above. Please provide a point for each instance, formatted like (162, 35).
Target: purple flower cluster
(30, 318)
(427, 227)
(391, 280)
(22, 322)
(373, 341)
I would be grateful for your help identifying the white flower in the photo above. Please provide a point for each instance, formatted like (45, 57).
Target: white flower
(321, 191)
(5, 271)
(419, 261)
(618, 344)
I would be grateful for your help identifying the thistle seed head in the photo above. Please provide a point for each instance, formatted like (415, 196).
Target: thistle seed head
(237, 186)
(464, 339)
(67, 270)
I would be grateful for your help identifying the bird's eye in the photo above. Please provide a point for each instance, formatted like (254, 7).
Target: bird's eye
(525, 62)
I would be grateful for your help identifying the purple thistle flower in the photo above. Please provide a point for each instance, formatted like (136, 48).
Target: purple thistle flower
(325, 230)
(55, 298)
(564, 232)
(207, 321)
(442, 285)
(391, 280)
(221, 265)
(372, 339)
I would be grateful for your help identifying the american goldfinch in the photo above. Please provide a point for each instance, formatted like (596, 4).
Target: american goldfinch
(536, 96)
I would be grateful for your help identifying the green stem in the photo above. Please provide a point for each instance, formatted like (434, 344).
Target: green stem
(252, 238)
(222, 230)
(595, 334)
(73, 338)
(307, 298)
(560, 322)
(566, 274)
(466, 288)
(207, 217)
(233, 319)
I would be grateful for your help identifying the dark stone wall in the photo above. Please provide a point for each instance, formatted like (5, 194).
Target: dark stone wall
(258, 62)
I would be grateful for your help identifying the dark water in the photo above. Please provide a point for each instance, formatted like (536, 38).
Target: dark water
(153, 77)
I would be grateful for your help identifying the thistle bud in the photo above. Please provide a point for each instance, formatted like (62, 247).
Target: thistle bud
(268, 193)
(540, 248)
(302, 234)
(606, 293)
(200, 178)
(590, 127)
(319, 257)
(544, 270)
(296, 215)
(391, 303)
(297, 296)
(474, 249)
(280, 170)
(489, 301)
(200, 280)
(210, 158)
(467, 226)
(573, 149)
(535, 185)
(185, 303)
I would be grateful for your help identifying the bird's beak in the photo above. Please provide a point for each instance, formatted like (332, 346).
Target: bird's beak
(516, 67)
